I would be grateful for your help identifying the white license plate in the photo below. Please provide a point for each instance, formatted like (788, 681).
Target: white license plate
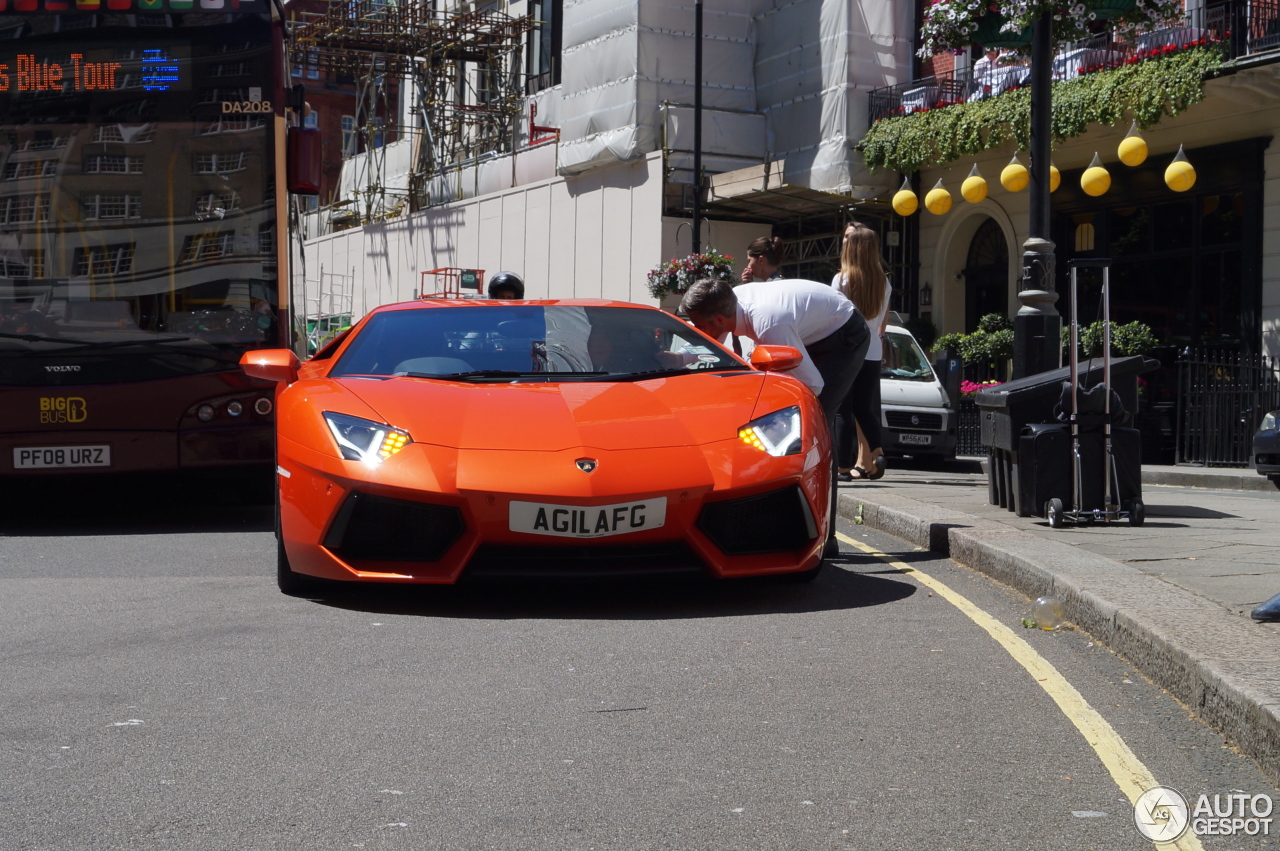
(917, 439)
(587, 521)
(39, 457)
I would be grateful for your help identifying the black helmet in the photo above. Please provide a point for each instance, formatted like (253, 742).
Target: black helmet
(506, 281)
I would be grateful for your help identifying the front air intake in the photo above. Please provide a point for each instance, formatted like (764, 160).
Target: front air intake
(377, 528)
(777, 521)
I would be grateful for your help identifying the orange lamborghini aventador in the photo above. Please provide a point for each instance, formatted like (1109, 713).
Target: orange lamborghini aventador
(443, 439)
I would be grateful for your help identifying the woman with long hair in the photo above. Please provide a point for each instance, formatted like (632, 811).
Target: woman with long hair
(863, 280)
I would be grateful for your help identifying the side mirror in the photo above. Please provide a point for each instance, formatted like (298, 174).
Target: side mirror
(303, 153)
(776, 358)
(271, 365)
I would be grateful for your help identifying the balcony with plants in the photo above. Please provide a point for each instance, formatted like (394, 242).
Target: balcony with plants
(1113, 58)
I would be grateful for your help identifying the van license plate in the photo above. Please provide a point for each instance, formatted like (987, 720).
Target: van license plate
(44, 457)
(917, 439)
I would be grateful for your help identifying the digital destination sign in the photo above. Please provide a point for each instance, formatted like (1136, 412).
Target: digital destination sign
(125, 5)
(153, 69)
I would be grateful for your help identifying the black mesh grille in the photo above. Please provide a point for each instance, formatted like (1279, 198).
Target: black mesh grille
(378, 528)
(584, 560)
(771, 522)
(902, 419)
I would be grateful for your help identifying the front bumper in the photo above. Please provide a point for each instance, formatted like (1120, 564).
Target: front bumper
(919, 431)
(436, 515)
(1266, 452)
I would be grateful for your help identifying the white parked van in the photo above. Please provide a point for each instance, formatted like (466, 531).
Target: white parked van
(917, 417)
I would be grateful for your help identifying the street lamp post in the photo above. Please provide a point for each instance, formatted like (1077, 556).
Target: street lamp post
(697, 126)
(1037, 327)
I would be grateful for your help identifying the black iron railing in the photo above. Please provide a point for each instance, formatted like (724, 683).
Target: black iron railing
(1222, 397)
(1243, 27)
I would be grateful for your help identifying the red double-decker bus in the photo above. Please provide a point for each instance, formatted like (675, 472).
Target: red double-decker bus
(142, 233)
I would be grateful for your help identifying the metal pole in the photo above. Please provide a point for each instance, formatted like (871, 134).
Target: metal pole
(697, 126)
(1037, 343)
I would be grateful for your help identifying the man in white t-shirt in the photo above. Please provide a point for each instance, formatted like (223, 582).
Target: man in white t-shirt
(814, 318)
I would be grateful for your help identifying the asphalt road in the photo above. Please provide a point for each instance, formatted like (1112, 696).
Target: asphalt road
(158, 692)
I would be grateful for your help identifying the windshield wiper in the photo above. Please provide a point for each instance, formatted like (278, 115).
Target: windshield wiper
(671, 371)
(501, 373)
(95, 344)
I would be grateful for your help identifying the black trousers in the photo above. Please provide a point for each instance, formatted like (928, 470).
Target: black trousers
(838, 358)
(861, 405)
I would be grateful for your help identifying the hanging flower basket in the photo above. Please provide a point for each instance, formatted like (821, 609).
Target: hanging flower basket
(676, 275)
(989, 34)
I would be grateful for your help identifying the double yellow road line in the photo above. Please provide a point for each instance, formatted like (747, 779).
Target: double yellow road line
(1126, 769)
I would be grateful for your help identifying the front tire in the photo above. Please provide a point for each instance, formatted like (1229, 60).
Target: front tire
(291, 583)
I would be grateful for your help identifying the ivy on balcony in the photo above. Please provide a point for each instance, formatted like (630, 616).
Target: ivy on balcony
(1148, 90)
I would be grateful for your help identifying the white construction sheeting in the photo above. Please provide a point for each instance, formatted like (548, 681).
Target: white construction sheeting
(623, 59)
(815, 62)
(801, 68)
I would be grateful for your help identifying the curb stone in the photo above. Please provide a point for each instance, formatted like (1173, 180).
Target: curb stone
(1222, 667)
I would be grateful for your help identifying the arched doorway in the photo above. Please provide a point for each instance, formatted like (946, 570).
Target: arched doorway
(986, 275)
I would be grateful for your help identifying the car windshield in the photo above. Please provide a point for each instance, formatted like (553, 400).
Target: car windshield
(492, 342)
(903, 359)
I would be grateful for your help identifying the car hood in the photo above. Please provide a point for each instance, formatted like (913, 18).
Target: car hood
(924, 394)
(681, 411)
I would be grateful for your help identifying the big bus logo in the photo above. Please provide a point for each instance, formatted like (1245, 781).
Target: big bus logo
(63, 409)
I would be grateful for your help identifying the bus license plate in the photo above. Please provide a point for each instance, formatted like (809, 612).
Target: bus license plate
(44, 457)
(917, 439)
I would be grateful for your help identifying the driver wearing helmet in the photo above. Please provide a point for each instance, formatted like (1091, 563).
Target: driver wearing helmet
(506, 285)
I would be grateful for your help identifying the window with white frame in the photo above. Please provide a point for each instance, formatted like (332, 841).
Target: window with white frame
(221, 163)
(232, 124)
(17, 209)
(266, 238)
(112, 164)
(348, 135)
(26, 265)
(312, 119)
(104, 259)
(214, 203)
(30, 168)
(231, 69)
(130, 134)
(114, 206)
(207, 246)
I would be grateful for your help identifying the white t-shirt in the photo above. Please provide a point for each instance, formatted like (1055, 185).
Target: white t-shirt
(792, 312)
(876, 350)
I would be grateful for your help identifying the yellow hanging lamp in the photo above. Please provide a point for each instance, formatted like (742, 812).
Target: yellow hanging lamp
(1055, 178)
(938, 201)
(1096, 180)
(974, 188)
(1133, 148)
(1181, 174)
(1015, 176)
(905, 201)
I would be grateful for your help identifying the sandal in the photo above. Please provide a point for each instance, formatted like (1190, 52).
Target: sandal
(881, 465)
(862, 474)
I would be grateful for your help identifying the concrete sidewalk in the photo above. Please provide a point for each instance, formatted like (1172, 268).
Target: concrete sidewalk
(1172, 596)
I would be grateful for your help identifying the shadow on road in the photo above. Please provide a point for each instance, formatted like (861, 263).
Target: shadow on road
(629, 599)
(153, 504)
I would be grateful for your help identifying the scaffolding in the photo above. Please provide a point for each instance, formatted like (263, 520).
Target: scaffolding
(462, 76)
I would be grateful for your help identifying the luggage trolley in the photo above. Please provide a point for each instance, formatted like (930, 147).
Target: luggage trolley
(1112, 508)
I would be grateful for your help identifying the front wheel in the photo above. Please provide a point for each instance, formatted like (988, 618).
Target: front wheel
(1137, 512)
(291, 583)
(1054, 511)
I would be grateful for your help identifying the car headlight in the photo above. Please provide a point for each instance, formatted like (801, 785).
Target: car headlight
(777, 434)
(365, 440)
(1268, 422)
